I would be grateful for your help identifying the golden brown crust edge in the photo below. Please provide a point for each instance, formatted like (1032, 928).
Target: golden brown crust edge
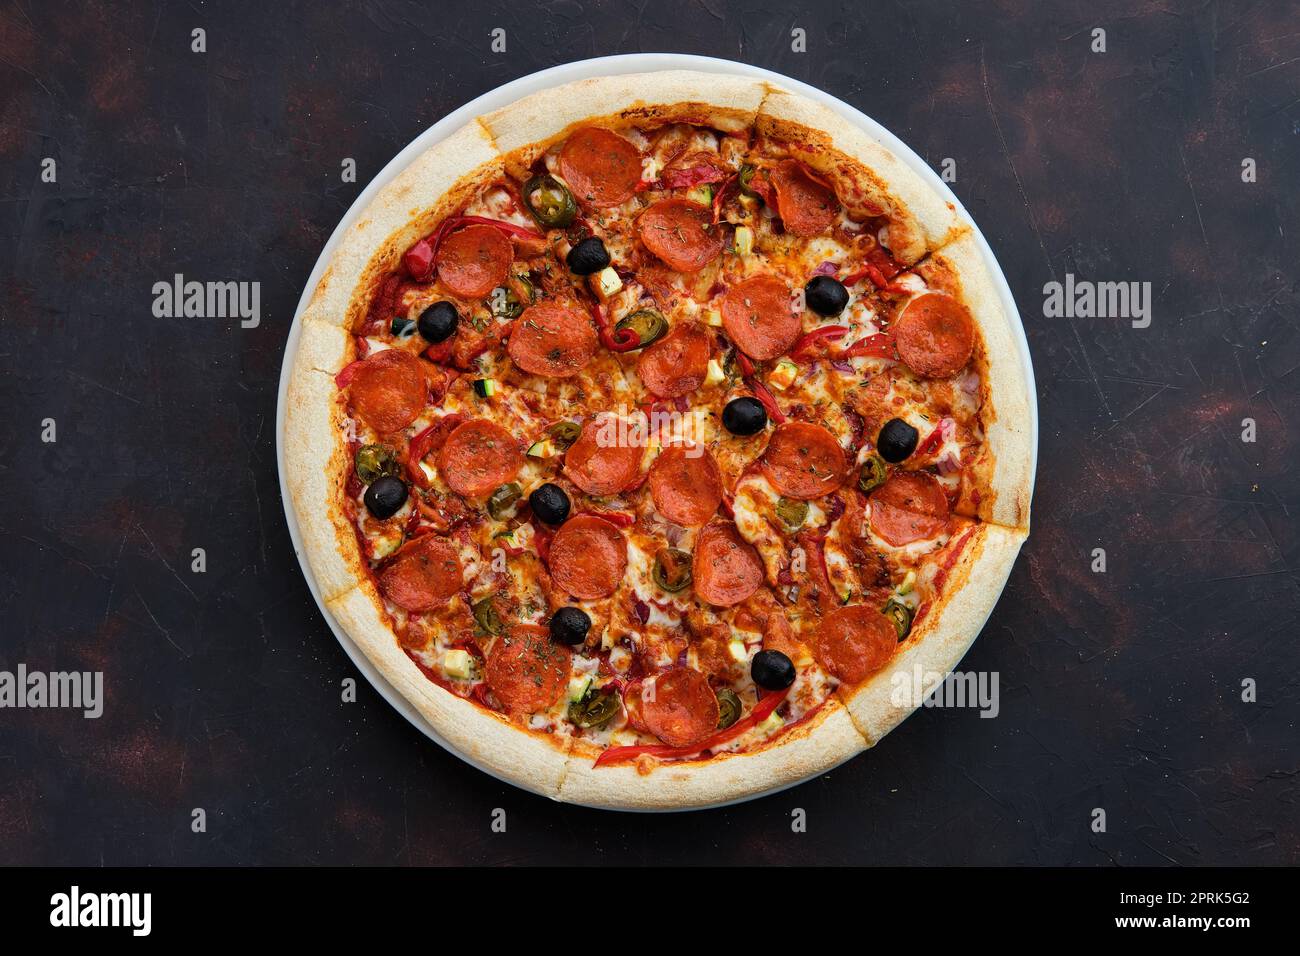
(942, 638)
(1005, 466)
(825, 741)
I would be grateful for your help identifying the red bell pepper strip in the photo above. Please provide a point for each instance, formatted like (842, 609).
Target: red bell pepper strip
(619, 518)
(423, 443)
(344, 378)
(762, 710)
(827, 333)
(880, 345)
(620, 340)
(930, 442)
(759, 389)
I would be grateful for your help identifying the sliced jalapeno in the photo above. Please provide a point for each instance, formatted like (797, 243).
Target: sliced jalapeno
(648, 324)
(376, 461)
(550, 201)
(564, 434)
(746, 175)
(873, 474)
(672, 570)
(728, 708)
(504, 303)
(503, 500)
(486, 616)
(791, 513)
(900, 614)
(596, 707)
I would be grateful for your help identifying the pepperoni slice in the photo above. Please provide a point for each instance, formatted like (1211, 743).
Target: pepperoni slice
(725, 566)
(686, 485)
(424, 574)
(934, 335)
(475, 260)
(805, 206)
(678, 363)
(804, 460)
(759, 317)
(588, 557)
(389, 389)
(854, 642)
(553, 340)
(479, 456)
(681, 233)
(679, 707)
(603, 461)
(602, 168)
(908, 507)
(526, 669)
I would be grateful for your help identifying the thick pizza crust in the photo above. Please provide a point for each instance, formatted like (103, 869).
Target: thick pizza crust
(315, 463)
(940, 640)
(526, 759)
(529, 126)
(825, 741)
(922, 220)
(1004, 470)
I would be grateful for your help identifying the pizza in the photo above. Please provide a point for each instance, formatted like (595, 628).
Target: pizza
(642, 432)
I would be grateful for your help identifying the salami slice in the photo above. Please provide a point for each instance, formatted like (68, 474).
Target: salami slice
(602, 462)
(679, 707)
(479, 456)
(934, 335)
(759, 317)
(854, 642)
(389, 389)
(725, 567)
(552, 340)
(601, 168)
(806, 207)
(681, 233)
(475, 260)
(526, 669)
(686, 485)
(425, 574)
(678, 363)
(910, 506)
(804, 461)
(588, 557)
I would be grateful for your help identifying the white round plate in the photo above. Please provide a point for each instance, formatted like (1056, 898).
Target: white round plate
(502, 96)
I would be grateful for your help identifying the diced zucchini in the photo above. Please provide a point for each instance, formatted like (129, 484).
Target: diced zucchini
(744, 244)
(783, 375)
(543, 449)
(739, 653)
(771, 724)
(605, 284)
(702, 194)
(713, 317)
(578, 686)
(457, 663)
(485, 387)
(908, 580)
(715, 375)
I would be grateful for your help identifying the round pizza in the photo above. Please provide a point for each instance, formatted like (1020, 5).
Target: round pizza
(651, 433)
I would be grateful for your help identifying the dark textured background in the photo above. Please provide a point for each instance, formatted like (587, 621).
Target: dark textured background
(1119, 690)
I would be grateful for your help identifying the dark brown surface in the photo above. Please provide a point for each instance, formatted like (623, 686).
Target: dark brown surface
(1119, 690)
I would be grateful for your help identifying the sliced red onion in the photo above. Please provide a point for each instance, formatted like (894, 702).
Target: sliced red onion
(681, 403)
(842, 365)
(827, 268)
(834, 507)
(641, 609)
(949, 464)
(969, 383)
(674, 534)
(947, 429)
